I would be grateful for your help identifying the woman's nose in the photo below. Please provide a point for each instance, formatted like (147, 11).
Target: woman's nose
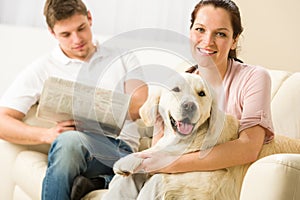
(208, 39)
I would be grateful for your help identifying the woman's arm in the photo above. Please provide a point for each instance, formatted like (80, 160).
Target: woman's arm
(255, 125)
(243, 150)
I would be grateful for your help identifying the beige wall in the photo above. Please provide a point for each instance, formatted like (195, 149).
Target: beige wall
(271, 35)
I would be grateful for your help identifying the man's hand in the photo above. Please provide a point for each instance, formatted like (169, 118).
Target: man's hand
(52, 133)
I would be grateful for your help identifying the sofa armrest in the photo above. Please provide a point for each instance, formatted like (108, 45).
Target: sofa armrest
(275, 177)
(8, 154)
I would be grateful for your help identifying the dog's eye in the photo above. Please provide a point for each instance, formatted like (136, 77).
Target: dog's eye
(176, 89)
(201, 93)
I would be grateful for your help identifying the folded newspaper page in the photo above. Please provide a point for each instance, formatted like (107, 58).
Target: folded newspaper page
(94, 109)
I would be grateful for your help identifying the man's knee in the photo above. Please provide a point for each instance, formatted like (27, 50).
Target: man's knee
(68, 145)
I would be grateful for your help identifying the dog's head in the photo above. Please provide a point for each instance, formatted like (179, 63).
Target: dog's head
(184, 103)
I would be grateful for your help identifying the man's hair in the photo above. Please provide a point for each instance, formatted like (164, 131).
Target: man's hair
(56, 10)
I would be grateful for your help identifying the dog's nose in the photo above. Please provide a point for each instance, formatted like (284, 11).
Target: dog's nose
(188, 106)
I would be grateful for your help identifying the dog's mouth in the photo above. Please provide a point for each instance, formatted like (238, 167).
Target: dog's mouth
(183, 127)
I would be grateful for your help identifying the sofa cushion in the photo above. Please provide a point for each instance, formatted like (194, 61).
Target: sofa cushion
(277, 78)
(281, 178)
(94, 195)
(8, 154)
(19, 194)
(286, 107)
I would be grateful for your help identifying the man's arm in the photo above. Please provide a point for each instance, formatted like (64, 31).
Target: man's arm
(13, 129)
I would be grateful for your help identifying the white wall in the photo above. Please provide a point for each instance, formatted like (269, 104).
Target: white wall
(271, 35)
(109, 16)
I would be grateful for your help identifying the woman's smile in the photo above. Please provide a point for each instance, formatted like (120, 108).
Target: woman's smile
(206, 52)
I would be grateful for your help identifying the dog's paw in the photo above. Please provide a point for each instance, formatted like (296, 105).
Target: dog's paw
(127, 165)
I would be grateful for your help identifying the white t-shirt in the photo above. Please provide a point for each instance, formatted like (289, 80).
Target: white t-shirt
(106, 69)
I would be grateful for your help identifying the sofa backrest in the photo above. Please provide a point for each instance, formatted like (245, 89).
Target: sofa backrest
(21, 45)
(286, 102)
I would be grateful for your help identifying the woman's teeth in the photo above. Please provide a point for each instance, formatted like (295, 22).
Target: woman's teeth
(208, 52)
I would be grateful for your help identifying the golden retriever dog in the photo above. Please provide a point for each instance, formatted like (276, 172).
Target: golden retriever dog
(193, 122)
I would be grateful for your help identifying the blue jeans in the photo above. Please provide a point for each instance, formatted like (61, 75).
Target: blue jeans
(75, 153)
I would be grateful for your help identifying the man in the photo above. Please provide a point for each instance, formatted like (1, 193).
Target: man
(71, 154)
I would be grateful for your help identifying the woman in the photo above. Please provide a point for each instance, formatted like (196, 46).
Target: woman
(215, 30)
(214, 33)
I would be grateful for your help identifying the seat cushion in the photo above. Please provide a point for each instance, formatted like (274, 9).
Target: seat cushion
(19, 194)
(94, 195)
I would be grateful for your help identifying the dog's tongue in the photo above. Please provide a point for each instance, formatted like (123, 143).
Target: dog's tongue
(184, 128)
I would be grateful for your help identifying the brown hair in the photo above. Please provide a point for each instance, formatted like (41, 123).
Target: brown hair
(56, 10)
(234, 13)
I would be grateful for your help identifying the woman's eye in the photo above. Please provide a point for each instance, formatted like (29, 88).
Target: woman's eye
(220, 34)
(201, 30)
(176, 89)
(201, 93)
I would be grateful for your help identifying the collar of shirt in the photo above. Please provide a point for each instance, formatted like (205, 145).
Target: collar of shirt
(59, 55)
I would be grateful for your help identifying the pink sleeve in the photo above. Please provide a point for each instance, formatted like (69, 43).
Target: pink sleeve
(257, 102)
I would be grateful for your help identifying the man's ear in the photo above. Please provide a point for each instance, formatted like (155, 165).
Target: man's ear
(149, 110)
(89, 17)
(51, 31)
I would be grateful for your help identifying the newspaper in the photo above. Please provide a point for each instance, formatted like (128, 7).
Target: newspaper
(93, 109)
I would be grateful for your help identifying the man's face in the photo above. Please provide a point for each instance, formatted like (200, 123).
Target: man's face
(75, 36)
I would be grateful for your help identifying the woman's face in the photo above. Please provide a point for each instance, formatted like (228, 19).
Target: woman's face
(212, 37)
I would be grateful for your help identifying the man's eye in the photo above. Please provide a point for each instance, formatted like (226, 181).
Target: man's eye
(176, 89)
(81, 28)
(201, 94)
(65, 35)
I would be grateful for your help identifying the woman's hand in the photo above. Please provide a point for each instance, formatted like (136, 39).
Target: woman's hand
(155, 162)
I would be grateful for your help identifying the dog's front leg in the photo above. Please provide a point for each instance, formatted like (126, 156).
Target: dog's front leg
(132, 163)
(128, 164)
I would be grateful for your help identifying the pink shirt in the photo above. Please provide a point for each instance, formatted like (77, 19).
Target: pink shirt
(247, 91)
(248, 96)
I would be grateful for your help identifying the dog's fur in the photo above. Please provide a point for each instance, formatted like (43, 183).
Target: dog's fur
(193, 122)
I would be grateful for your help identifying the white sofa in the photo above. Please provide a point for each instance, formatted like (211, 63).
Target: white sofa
(22, 168)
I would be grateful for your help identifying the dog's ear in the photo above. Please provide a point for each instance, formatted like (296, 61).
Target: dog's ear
(149, 110)
(216, 124)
